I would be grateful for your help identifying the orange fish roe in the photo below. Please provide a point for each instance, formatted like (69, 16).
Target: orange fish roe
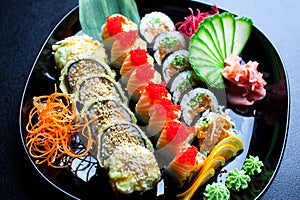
(114, 25)
(138, 56)
(128, 38)
(189, 155)
(144, 72)
(165, 107)
(156, 92)
(178, 132)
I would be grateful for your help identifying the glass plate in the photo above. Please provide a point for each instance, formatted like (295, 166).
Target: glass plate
(265, 123)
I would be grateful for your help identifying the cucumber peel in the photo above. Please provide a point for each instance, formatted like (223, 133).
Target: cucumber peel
(217, 37)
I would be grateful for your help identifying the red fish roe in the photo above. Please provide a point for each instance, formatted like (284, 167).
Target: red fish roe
(145, 72)
(165, 107)
(128, 38)
(114, 25)
(138, 56)
(189, 156)
(156, 91)
(178, 132)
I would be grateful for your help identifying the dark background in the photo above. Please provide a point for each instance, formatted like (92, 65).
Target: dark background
(24, 26)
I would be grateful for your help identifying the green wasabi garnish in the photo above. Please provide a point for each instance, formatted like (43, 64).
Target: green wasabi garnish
(216, 191)
(252, 165)
(237, 180)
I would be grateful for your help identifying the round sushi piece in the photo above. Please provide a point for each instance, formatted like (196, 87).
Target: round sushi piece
(166, 43)
(133, 168)
(115, 135)
(195, 102)
(98, 88)
(154, 23)
(174, 63)
(103, 113)
(182, 83)
(83, 68)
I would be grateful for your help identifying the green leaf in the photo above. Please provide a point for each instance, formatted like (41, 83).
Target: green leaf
(93, 13)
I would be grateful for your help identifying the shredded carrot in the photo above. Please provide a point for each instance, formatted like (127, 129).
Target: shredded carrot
(52, 126)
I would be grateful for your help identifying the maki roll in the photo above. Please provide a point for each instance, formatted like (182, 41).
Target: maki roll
(174, 63)
(154, 23)
(185, 165)
(74, 48)
(114, 25)
(182, 83)
(134, 59)
(115, 135)
(175, 135)
(82, 68)
(152, 94)
(195, 102)
(166, 43)
(103, 113)
(140, 78)
(133, 168)
(123, 44)
(211, 128)
(98, 88)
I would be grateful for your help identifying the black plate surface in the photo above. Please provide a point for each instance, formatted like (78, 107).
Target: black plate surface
(270, 115)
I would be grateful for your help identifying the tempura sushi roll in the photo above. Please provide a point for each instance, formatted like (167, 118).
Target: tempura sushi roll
(154, 23)
(74, 48)
(161, 113)
(174, 63)
(80, 69)
(185, 165)
(116, 134)
(195, 102)
(103, 113)
(182, 83)
(124, 43)
(134, 59)
(139, 79)
(175, 135)
(114, 25)
(133, 168)
(166, 43)
(98, 88)
(211, 128)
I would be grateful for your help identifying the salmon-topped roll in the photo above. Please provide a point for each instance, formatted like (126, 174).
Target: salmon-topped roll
(140, 78)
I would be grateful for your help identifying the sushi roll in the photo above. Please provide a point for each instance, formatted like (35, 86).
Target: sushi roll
(161, 113)
(154, 23)
(133, 168)
(116, 134)
(166, 43)
(195, 102)
(211, 128)
(98, 88)
(124, 43)
(139, 79)
(74, 48)
(103, 113)
(185, 165)
(174, 63)
(152, 94)
(175, 135)
(82, 68)
(114, 25)
(182, 83)
(134, 59)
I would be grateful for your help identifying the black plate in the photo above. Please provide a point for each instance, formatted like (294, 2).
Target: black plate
(270, 115)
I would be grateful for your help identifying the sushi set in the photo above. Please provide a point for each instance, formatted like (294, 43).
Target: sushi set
(150, 102)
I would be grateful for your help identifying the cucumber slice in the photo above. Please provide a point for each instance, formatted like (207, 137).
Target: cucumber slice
(243, 28)
(219, 28)
(200, 53)
(229, 31)
(205, 36)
